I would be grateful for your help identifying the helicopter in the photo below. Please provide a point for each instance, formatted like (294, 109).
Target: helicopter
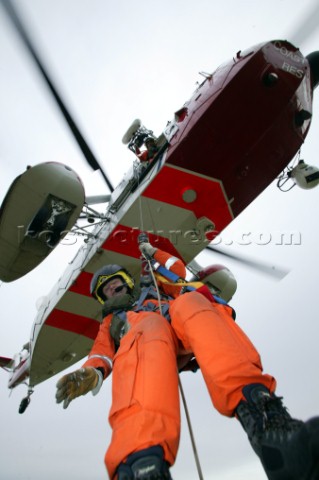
(181, 202)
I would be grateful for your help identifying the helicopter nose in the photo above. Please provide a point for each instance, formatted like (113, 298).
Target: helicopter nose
(313, 59)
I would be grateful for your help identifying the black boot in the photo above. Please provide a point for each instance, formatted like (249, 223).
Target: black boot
(287, 448)
(148, 464)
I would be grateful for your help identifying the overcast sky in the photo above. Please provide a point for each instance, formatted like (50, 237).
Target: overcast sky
(115, 61)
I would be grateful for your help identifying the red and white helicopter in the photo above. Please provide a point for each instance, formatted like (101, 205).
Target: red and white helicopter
(205, 172)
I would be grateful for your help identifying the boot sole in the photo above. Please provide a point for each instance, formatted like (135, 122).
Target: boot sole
(314, 474)
(313, 430)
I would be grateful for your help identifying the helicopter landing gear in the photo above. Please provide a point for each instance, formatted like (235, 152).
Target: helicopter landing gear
(25, 401)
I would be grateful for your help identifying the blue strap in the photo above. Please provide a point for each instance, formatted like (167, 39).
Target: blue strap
(145, 292)
(172, 276)
(167, 273)
(220, 300)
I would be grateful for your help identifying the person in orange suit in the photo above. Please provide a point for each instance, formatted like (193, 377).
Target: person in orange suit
(150, 152)
(146, 340)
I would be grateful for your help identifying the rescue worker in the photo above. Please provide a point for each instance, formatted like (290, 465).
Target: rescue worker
(150, 152)
(144, 348)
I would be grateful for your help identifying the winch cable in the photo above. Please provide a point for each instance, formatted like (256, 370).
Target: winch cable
(140, 201)
(190, 429)
(185, 406)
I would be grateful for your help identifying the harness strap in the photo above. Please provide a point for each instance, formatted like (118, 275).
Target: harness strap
(178, 281)
(118, 326)
(150, 293)
(152, 307)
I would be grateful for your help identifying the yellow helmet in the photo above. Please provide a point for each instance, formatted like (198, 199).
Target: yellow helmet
(104, 275)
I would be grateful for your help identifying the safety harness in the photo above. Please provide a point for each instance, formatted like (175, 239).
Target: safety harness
(151, 293)
(119, 323)
(163, 273)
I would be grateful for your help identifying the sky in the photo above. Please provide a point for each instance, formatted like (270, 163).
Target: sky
(115, 61)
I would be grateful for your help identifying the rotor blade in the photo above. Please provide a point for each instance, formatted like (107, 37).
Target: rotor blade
(276, 272)
(87, 152)
(306, 27)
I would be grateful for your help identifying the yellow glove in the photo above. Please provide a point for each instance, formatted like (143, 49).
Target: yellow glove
(78, 383)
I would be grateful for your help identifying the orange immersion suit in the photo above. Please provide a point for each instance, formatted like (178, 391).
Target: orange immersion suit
(145, 399)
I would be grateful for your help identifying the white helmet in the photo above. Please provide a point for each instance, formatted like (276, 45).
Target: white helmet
(219, 279)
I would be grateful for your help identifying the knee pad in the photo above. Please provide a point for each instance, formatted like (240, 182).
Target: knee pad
(147, 464)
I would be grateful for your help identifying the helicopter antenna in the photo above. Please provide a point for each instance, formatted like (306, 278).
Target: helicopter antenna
(87, 152)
